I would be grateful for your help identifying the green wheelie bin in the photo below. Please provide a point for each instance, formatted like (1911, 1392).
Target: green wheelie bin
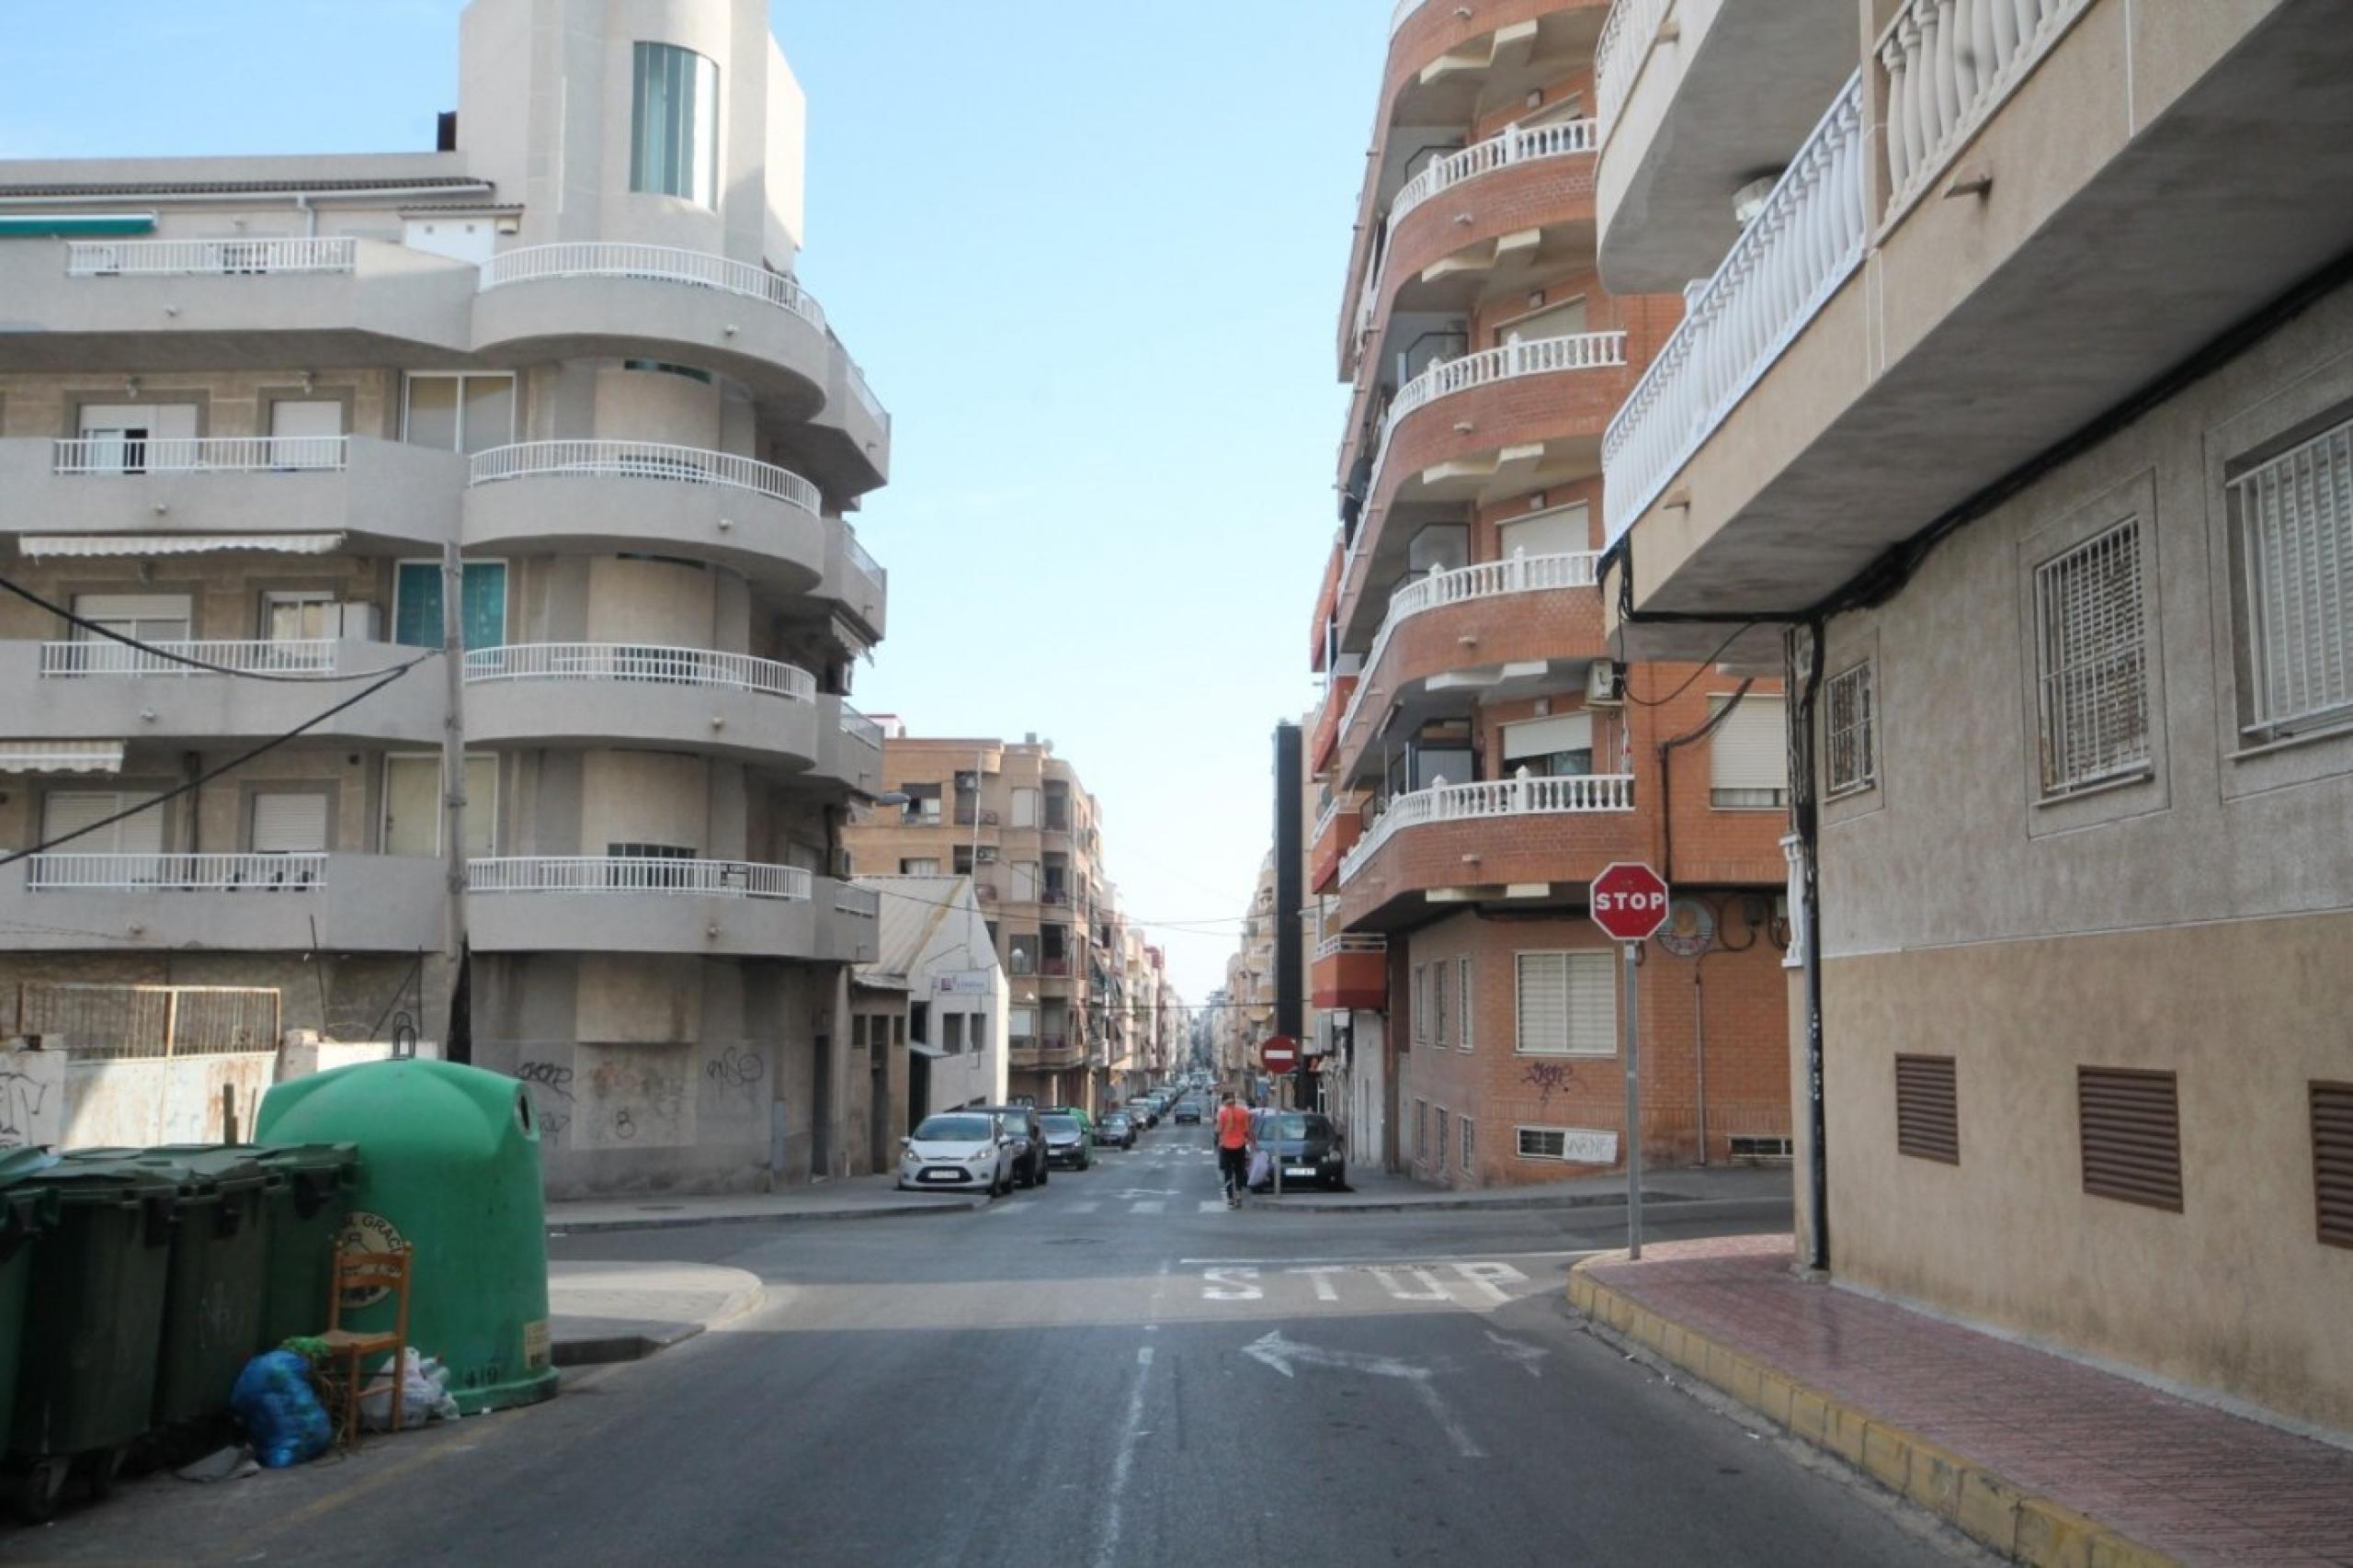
(25, 1206)
(93, 1320)
(304, 1214)
(213, 1305)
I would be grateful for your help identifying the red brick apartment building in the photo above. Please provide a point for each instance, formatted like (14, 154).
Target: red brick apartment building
(1481, 750)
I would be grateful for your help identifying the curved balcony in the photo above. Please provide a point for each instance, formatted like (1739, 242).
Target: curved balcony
(599, 496)
(691, 699)
(599, 297)
(229, 903)
(379, 495)
(1485, 625)
(100, 690)
(1508, 839)
(1350, 970)
(622, 904)
(1336, 831)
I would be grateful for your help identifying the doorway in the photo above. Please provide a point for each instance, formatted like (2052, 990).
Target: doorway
(820, 1110)
(878, 1112)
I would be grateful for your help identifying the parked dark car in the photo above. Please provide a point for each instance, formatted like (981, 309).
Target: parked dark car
(1066, 1141)
(1306, 1146)
(1029, 1166)
(1146, 1114)
(1116, 1129)
(1188, 1111)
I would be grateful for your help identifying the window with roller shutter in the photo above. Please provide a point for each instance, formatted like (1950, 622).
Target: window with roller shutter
(70, 810)
(1928, 1108)
(2332, 1106)
(289, 822)
(2129, 1125)
(1567, 1004)
(1748, 756)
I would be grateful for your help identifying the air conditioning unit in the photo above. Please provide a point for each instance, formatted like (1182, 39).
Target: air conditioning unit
(988, 855)
(842, 869)
(1601, 684)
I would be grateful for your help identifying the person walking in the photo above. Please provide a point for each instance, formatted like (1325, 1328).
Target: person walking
(1232, 1148)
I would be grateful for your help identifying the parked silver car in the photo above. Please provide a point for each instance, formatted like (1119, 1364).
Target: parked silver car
(958, 1149)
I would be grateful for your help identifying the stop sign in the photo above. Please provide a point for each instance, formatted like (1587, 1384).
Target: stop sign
(1279, 1054)
(1629, 901)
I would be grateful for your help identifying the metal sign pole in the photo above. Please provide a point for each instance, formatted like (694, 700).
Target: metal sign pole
(1633, 1104)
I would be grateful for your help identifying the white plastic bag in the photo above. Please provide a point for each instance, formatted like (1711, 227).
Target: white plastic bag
(425, 1393)
(1262, 1168)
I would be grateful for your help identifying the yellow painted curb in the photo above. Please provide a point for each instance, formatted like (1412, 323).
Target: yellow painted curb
(1978, 1502)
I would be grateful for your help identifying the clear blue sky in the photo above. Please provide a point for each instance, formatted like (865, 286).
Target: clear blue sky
(1090, 257)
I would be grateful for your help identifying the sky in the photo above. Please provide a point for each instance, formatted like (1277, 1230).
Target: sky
(1090, 257)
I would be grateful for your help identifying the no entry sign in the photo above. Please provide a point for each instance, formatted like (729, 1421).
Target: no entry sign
(1279, 1054)
(1629, 901)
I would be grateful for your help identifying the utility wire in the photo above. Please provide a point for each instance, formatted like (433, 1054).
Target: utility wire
(168, 656)
(211, 773)
(1697, 670)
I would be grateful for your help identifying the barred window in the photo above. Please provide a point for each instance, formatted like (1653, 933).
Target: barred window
(1851, 710)
(1462, 976)
(1543, 1143)
(2291, 546)
(1468, 1130)
(1439, 978)
(2092, 662)
(1421, 1003)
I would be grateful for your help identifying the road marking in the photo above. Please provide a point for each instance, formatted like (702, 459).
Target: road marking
(1389, 1261)
(1274, 1350)
(1231, 1285)
(1519, 1352)
(1148, 1205)
(1208, 1205)
(1437, 1292)
(1457, 1433)
(1087, 1206)
(1003, 1206)
(1123, 1461)
(1324, 1289)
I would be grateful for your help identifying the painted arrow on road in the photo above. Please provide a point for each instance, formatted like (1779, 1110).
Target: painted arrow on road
(1519, 1353)
(1282, 1354)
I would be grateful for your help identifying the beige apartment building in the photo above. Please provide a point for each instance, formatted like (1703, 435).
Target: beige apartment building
(267, 416)
(1483, 746)
(1014, 816)
(2014, 409)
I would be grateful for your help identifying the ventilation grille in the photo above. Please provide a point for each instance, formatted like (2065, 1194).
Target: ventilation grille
(2333, 1160)
(1928, 1108)
(2132, 1134)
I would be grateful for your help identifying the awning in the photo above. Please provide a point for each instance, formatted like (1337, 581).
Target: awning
(21, 225)
(922, 1049)
(61, 756)
(176, 544)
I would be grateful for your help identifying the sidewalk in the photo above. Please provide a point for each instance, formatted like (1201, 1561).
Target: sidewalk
(2042, 1457)
(1379, 1192)
(622, 1311)
(856, 1197)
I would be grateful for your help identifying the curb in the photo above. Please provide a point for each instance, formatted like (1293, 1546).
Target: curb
(803, 1217)
(1683, 1203)
(1980, 1502)
(606, 1349)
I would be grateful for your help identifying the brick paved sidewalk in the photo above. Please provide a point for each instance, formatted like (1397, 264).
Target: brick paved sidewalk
(2175, 1476)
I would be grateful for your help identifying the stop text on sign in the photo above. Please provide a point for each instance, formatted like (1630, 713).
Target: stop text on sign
(1629, 901)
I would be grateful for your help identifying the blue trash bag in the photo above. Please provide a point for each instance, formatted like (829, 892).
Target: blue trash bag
(281, 1413)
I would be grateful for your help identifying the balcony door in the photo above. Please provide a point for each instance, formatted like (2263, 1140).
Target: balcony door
(306, 432)
(1563, 530)
(412, 803)
(1566, 319)
(290, 821)
(148, 617)
(120, 436)
(417, 604)
(66, 810)
(1560, 746)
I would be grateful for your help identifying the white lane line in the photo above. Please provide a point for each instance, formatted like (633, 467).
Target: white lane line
(1087, 1206)
(1393, 1261)
(1147, 1206)
(1208, 1205)
(1007, 1206)
(1123, 1462)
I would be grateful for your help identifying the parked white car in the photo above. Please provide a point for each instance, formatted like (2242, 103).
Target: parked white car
(956, 1149)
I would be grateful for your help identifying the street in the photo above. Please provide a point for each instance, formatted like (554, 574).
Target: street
(1111, 1369)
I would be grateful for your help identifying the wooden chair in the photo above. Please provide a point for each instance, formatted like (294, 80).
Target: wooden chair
(360, 1270)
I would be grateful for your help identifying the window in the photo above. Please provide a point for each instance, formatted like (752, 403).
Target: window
(2291, 549)
(980, 1031)
(300, 615)
(66, 810)
(1563, 531)
(471, 413)
(1566, 319)
(1567, 1004)
(1025, 808)
(963, 860)
(1021, 1023)
(287, 822)
(674, 124)
(925, 867)
(857, 1031)
(1748, 756)
(1468, 1129)
(1421, 1130)
(1440, 982)
(413, 804)
(1850, 722)
(1421, 1004)
(2091, 662)
(919, 1022)
(1543, 1143)
(307, 432)
(951, 1033)
(1441, 1138)
(1462, 985)
(664, 368)
(149, 617)
(131, 438)
(417, 604)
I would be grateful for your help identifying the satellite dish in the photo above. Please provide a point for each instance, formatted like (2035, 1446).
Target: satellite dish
(1690, 928)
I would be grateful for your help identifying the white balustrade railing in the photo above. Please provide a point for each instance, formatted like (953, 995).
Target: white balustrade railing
(636, 874)
(1526, 357)
(1404, 9)
(641, 460)
(1795, 253)
(1497, 797)
(104, 656)
(664, 264)
(859, 903)
(858, 726)
(1626, 38)
(193, 259)
(1484, 579)
(1945, 66)
(1514, 144)
(198, 454)
(177, 873)
(639, 662)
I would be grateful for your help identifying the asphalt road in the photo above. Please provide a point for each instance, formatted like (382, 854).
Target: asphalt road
(1110, 1369)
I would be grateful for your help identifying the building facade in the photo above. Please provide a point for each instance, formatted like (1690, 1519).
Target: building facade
(936, 953)
(1991, 420)
(1015, 818)
(549, 392)
(1483, 746)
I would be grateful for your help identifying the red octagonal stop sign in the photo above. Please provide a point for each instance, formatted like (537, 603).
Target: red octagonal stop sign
(1629, 901)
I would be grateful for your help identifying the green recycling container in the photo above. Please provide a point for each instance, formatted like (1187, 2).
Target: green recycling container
(305, 1214)
(448, 1166)
(25, 1208)
(214, 1297)
(93, 1316)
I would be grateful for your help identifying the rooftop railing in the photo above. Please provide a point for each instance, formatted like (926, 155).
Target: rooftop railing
(634, 874)
(663, 263)
(199, 258)
(641, 460)
(636, 662)
(1497, 797)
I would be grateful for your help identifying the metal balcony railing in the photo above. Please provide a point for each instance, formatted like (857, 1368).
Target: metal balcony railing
(857, 555)
(198, 258)
(1513, 144)
(1497, 797)
(858, 903)
(641, 460)
(858, 727)
(198, 454)
(1351, 942)
(635, 874)
(1792, 256)
(663, 263)
(177, 873)
(639, 663)
(99, 656)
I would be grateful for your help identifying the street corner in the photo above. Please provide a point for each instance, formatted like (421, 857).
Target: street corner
(607, 1311)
